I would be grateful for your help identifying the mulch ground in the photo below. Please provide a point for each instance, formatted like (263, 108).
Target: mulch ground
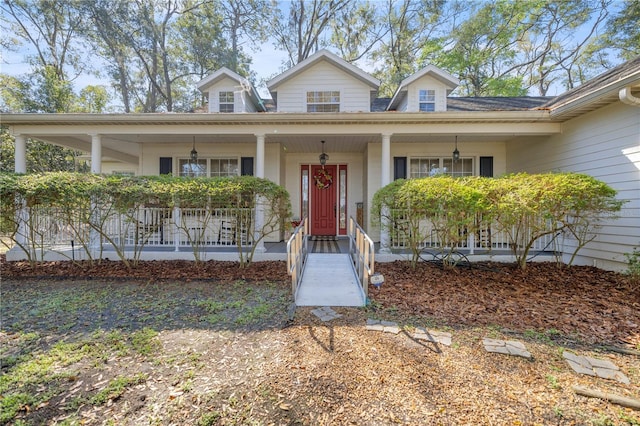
(305, 371)
(588, 303)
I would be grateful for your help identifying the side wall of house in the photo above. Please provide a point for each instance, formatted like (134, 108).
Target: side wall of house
(323, 76)
(606, 145)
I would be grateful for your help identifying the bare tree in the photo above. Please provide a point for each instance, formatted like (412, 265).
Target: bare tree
(51, 28)
(300, 35)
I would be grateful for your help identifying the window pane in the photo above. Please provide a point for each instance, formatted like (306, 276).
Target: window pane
(424, 167)
(305, 193)
(224, 167)
(343, 199)
(323, 101)
(427, 107)
(226, 101)
(226, 97)
(188, 168)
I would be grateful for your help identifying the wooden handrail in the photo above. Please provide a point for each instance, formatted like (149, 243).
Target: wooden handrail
(362, 251)
(297, 254)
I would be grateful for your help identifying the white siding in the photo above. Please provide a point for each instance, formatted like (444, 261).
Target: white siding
(425, 83)
(606, 145)
(354, 94)
(246, 104)
(227, 85)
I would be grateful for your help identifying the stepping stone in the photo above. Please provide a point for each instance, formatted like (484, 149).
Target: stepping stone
(326, 313)
(507, 347)
(595, 367)
(432, 336)
(384, 326)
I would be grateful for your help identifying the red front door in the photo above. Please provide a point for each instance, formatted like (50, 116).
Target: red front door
(324, 182)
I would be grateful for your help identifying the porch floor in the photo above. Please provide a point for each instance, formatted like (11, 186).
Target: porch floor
(329, 280)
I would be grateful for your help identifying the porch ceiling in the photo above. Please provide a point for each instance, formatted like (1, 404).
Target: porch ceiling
(126, 147)
(123, 135)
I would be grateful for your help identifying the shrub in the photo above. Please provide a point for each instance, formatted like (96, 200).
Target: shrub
(85, 203)
(525, 207)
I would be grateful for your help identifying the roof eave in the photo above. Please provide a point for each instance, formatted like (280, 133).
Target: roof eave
(275, 117)
(567, 109)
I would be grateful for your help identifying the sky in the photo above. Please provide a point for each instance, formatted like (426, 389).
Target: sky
(267, 62)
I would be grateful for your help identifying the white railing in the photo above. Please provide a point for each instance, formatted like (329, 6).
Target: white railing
(362, 251)
(297, 255)
(146, 226)
(488, 236)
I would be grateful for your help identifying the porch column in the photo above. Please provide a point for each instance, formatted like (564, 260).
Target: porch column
(96, 167)
(259, 212)
(260, 156)
(96, 153)
(385, 179)
(20, 166)
(385, 169)
(20, 154)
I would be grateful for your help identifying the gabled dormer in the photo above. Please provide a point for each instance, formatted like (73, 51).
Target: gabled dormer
(426, 91)
(230, 92)
(323, 82)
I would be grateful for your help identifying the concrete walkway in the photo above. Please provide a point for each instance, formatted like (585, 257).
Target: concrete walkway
(329, 280)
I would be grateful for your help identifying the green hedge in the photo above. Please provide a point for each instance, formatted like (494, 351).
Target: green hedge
(80, 197)
(524, 206)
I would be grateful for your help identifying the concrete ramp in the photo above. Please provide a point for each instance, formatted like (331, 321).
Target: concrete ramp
(329, 280)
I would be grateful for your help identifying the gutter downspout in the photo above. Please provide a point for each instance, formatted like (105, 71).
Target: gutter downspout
(626, 97)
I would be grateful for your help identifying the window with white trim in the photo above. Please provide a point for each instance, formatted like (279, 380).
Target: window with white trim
(226, 101)
(224, 167)
(209, 167)
(323, 101)
(433, 166)
(427, 100)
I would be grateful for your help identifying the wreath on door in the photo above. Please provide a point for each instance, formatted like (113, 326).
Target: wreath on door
(323, 179)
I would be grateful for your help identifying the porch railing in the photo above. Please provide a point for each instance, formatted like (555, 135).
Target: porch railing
(297, 255)
(488, 236)
(362, 251)
(148, 226)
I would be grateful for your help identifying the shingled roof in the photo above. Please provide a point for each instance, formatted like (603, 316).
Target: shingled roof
(519, 103)
(619, 74)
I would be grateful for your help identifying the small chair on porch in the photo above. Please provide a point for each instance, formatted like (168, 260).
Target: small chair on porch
(151, 225)
(227, 232)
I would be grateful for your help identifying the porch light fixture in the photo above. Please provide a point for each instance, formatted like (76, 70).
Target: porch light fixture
(456, 153)
(323, 157)
(194, 153)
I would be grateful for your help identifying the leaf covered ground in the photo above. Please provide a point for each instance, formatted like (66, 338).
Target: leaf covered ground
(183, 343)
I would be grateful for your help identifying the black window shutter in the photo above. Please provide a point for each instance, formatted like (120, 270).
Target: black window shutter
(399, 168)
(486, 166)
(246, 166)
(166, 165)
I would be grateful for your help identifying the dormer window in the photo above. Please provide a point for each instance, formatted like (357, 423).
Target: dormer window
(227, 103)
(323, 101)
(427, 100)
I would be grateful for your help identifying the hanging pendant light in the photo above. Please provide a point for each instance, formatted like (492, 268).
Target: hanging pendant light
(456, 153)
(323, 157)
(194, 153)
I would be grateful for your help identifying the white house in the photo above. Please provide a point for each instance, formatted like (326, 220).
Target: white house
(326, 105)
